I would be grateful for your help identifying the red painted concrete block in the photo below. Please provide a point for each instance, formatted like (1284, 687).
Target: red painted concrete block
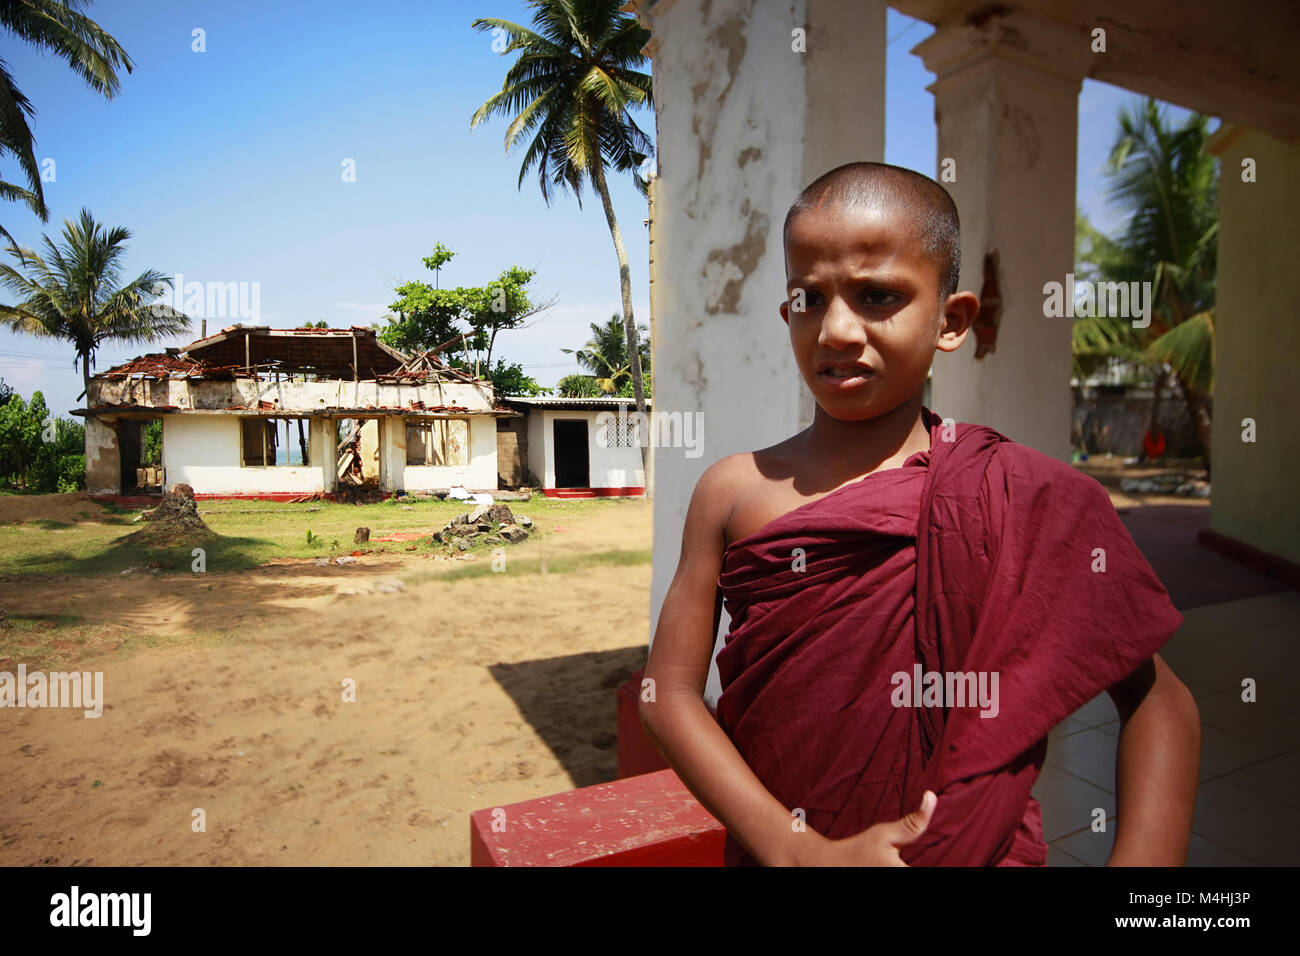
(629, 492)
(636, 753)
(648, 820)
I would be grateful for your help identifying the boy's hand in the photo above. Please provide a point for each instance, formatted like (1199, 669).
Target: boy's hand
(878, 845)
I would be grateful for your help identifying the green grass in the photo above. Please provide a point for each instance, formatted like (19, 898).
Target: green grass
(250, 534)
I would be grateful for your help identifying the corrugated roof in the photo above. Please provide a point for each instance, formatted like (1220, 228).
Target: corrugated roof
(574, 403)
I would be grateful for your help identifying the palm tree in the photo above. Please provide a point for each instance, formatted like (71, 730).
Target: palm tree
(570, 89)
(1168, 182)
(605, 355)
(73, 293)
(58, 27)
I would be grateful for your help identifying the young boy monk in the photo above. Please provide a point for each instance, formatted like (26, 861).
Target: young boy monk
(914, 603)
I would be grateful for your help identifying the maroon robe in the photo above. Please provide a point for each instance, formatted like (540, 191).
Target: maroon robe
(979, 556)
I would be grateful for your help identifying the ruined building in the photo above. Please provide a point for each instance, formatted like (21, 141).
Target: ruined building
(288, 413)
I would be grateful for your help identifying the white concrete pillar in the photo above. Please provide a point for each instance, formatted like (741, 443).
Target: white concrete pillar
(753, 99)
(1255, 447)
(1006, 104)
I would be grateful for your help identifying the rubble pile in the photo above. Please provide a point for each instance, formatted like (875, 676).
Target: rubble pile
(175, 521)
(487, 524)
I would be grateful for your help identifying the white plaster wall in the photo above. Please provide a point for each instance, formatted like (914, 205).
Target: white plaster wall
(369, 449)
(539, 451)
(1257, 345)
(612, 467)
(103, 460)
(392, 453)
(743, 124)
(318, 396)
(479, 475)
(203, 451)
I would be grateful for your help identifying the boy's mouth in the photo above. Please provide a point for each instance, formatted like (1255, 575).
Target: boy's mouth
(843, 376)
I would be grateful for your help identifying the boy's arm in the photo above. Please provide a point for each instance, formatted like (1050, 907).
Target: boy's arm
(1156, 768)
(677, 720)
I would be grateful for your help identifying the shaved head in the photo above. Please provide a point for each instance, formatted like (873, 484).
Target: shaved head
(916, 201)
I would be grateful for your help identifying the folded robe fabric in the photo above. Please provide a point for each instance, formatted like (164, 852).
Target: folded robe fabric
(978, 560)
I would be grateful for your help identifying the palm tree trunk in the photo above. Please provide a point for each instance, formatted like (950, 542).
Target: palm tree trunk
(625, 280)
(1200, 418)
(85, 374)
(1153, 422)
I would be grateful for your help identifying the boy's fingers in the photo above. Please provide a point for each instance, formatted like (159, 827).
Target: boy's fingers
(914, 824)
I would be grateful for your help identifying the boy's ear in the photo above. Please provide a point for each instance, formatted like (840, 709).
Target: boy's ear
(959, 311)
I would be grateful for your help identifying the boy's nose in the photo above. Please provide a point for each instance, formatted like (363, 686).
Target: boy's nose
(841, 327)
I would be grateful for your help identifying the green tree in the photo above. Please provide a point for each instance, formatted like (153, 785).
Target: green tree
(1167, 182)
(54, 26)
(429, 316)
(21, 425)
(579, 386)
(510, 380)
(74, 292)
(39, 453)
(605, 356)
(570, 89)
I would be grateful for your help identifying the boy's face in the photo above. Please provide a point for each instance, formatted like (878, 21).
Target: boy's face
(864, 311)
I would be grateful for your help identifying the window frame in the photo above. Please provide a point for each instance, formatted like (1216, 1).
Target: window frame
(431, 446)
(268, 425)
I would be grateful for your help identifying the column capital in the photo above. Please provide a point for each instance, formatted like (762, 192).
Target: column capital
(1045, 46)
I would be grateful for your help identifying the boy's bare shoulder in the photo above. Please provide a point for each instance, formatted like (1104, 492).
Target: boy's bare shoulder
(736, 485)
(727, 476)
(747, 470)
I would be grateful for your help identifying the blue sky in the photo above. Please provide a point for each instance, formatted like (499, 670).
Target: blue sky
(226, 166)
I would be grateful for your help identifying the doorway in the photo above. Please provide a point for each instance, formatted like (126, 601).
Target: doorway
(572, 461)
(139, 443)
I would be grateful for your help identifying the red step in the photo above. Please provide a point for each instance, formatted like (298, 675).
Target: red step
(647, 820)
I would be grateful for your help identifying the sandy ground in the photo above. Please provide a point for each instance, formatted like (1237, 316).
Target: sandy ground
(469, 693)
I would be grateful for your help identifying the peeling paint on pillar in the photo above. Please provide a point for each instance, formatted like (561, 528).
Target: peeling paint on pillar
(725, 270)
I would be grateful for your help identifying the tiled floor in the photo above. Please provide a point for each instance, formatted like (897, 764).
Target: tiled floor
(1248, 806)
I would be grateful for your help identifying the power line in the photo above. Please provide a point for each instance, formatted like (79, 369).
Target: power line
(901, 32)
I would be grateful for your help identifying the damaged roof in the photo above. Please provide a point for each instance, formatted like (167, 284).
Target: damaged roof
(328, 353)
(240, 350)
(161, 365)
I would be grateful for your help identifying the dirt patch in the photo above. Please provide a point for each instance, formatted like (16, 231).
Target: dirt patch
(471, 693)
(64, 509)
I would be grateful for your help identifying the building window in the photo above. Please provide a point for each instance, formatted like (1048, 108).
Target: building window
(620, 433)
(276, 441)
(442, 442)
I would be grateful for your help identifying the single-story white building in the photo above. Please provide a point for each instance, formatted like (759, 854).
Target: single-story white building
(573, 447)
(285, 413)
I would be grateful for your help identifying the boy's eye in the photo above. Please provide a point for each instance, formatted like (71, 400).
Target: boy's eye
(877, 297)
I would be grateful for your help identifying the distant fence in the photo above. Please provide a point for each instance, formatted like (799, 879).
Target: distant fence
(1113, 418)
